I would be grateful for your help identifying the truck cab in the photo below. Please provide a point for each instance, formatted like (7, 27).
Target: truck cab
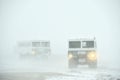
(82, 52)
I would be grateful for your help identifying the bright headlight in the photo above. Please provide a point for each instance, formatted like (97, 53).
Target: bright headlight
(92, 55)
(70, 56)
(33, 52)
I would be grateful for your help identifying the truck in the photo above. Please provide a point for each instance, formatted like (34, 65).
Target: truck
(34, 48)
(82, 51)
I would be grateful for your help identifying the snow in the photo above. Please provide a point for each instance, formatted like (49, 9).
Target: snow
(94, 74)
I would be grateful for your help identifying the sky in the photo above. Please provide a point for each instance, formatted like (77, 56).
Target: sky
(59, 21)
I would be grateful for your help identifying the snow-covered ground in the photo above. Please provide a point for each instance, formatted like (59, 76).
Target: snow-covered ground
(57, 64)
(74, 74)
(88, 74)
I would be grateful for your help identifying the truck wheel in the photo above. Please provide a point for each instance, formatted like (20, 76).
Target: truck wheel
(72, 64)
(94, 65)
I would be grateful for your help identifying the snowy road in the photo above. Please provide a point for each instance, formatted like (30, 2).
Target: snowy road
(55, 68)
(88, 74)
(75, 74)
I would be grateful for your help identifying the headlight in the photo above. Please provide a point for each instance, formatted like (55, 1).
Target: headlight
(70, 56)
(92, 55)
(33, 52)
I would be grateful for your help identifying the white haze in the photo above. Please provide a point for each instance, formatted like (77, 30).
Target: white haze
(59, 21)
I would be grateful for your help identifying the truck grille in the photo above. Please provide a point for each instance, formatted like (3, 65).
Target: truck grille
(82, 55)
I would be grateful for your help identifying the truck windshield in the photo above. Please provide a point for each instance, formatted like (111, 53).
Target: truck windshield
(35, 44)
(87, 44)
(45, 44)
(40, 44)
(74, 44)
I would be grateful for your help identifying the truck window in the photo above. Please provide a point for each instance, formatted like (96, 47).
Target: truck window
(35, 44)
(45, 44)
(87, 44)
(74, 44)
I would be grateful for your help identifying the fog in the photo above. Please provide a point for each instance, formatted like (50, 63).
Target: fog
(59, 21)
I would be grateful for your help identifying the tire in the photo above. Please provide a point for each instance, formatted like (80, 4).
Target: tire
(92, 65)
(72, 63)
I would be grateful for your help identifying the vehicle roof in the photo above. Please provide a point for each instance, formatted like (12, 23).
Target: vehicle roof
(35, 41)
(30, 41)
(83, 39)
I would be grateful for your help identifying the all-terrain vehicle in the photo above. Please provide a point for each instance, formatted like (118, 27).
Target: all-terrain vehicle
(35, 48)
(82, 52)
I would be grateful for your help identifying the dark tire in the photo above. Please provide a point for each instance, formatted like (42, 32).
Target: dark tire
(92, 65)
(72, 63)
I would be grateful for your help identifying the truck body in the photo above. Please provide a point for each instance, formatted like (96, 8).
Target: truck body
(34, 48)
(82, 52)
